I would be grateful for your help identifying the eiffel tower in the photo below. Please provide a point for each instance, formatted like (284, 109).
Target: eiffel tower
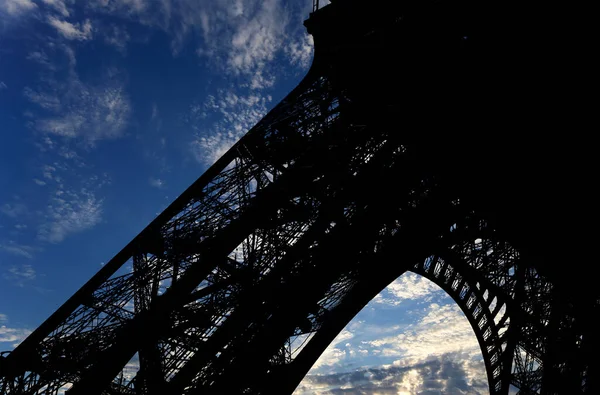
(244, 280)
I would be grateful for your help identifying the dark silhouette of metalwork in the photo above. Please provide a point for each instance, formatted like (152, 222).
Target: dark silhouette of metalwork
(240, 284)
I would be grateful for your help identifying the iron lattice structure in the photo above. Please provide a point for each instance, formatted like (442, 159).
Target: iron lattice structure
(241, 284)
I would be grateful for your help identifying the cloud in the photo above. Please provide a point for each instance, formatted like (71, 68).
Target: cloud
(409, 286)
(157, 183)
(333, 355)
(40, 57)
(86, 112)
(20, 275)
(58, 5)
(17, 7)
(428, 349)
(154, 112)
(234, 115)
(443, 330)
(72, 31)
(13, 210)
(447, 375)
(239, 37)
(301, 52)
(3, 85)
(18, 249)
(117, 37)
(257, 36)
(70, 212)
(46, 101)
(13, 335)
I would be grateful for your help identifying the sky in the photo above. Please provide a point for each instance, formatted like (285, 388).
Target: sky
(109, 109)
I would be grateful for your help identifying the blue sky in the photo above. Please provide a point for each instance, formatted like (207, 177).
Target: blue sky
(109, 109)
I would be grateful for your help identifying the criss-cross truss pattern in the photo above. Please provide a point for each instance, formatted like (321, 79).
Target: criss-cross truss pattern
(240, 284)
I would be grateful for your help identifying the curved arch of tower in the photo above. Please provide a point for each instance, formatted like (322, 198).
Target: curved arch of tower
(243, 281)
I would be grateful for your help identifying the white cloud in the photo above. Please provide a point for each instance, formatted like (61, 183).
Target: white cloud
(13, 335)
(70, 212)
(409, 286)
(236, 115)
(17, 7)
(39, 182)
(3, 85)
(117, 37)
(59, 6)
(443, 330)
(241, 37)
(13, 210)
(430, 347)
(18, 249)
(40, 57)
(301, 52)
(334, 354)
(439, 352)
(88, 113)
(157, 182)
(46, 101)
(258, 35)
(124, 7)
(20, 275)
(154, 111)
(72, 31)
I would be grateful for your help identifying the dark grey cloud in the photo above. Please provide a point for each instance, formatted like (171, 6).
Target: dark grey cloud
(450, 374)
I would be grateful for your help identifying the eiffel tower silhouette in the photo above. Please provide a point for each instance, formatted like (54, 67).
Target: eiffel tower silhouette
(244, 280)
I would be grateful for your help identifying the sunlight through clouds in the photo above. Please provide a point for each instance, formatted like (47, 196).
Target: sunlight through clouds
(410, 338)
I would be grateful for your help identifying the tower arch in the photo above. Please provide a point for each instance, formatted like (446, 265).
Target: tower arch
(484, 276)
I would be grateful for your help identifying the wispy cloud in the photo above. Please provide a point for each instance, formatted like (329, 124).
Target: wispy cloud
(89, 113)
(118, 37)
(17, 7)
(68, 213)
(59, 6)
(234, 115)
(72, 31)
(3, 85)
(409, 286)
(13, 210)
(240, 37)
(443, 330)
(258, 35)
(333, 355)
(154, 112)
(12, 335)
(157, 183)
(19, 275)
(301, 52)
(40, 57)
(47, 101)
(18, 249)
